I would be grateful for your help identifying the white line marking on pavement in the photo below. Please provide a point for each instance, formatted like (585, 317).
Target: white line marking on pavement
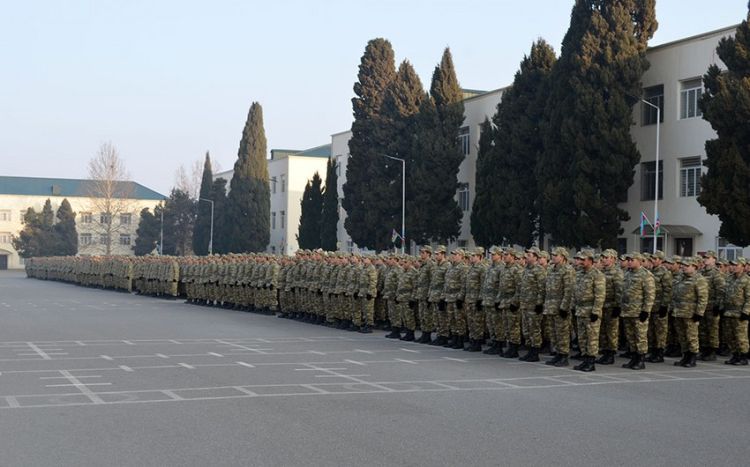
(39, 351)
(172, 395)
(316, 352)
(363, 351)
(127, 342)
(355, 362)
(406, 361)
(82, 387)
(185, 365)
(319, 369)
(12, 402)
(80, 343)
(409, 350)
(247, 365)
(446, 386)
(161, 355)
(65, 377)
(106, 357)
(175, 341)
(314, 388)
(126, 368)
(76, 385)
(215, 354)
(455, 359)
(246, 391)
(250, 349)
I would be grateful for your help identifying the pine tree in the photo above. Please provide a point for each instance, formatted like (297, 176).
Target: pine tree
(48, 216)
(511, 214)
(367, 178)
(219, 197)
(31, 241)
(148, 232)
(484, 215)
(202, 229)
(179, 219)
(725, 187)
(64, 231)
(330, 213)
(589, 156)
(249, 200)
(310, 219)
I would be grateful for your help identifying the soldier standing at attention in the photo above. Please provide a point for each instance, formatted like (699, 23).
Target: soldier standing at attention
(588, 301)
(558, 298)
(454, 293)
(637, 301)
(437, 298)
(405, 302)
(610, 327)
(659, 324)
(689, 301)
(531, 302)
(737, 311)
(508, 293)
(368, 288)
(488, 301)
(389, 295)
(422, 294)
(472, 301)
(709, 327)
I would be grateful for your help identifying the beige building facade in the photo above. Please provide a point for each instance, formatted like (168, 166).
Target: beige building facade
(17, 194)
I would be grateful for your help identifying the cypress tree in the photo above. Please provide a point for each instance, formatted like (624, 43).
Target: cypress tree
(484, 215)
(249, 200)
(219, 197)
(65, 234)
(330, 213)
(310, 218)
(48, 216)
(147, 233)
(589, 156)
(30, 241)
(367, 179)
(202, 229)
(179, 219)
(725, 187)
(514, 208)
(441, 163)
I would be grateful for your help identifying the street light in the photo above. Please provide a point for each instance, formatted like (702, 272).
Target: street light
(211, 235)
(403, 199)
(161, 233)
(656, 171)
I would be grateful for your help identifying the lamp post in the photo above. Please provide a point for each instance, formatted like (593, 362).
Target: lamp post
(403, 200)
(161, 233)
(656, 171)
(211, 235)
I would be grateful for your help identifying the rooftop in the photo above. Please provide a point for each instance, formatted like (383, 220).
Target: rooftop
(68, 187)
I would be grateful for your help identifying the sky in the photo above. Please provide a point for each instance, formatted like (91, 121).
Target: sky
(165, 81)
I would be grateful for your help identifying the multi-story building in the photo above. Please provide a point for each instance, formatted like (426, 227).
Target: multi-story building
(17, 194)
(288, 172)
(673, 82)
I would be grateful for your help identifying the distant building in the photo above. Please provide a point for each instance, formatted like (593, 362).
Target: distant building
(17, 194)
(288, 171)
(674, 83)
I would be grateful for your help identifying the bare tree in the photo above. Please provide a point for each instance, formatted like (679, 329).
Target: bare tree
(111, 196)
(189, 181)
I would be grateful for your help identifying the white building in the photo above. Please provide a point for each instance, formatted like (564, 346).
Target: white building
(288, 172)
(17, 194)
(673, 82)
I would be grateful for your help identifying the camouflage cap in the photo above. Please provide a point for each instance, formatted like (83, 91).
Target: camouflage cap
(686, 261)
(533, 250)
(709, 254)
(459, 251)
(609, 253)
(496, 250)
(543, 254)
(739, 261)
(516, 254)
(478, 251)
(441, 249)
(584, 254)
(659, 254)
(426, 248)
(561, 251)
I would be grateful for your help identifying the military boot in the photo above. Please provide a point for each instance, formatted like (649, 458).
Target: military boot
(639, 362)
(690, 361)
(531, 356)
(742, 361)
(474, 346)
(578, 356)
(588, 365)
(553, 361)
(511, 351)
(424, 338)
(607, 358)
(408, 337)
(395, 333)
(439, 340)
(457, 343)
(365, 329)
(682, 361)
(657, 356)
(709, 355)
(733, 360)
(492, 349)
(633, 361)
(673, 351)
(627, 354)
(723, 350)
(563, 361)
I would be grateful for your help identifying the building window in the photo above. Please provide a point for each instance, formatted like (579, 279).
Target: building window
(283, 183)
(5, 216)
(126, 219)
(683, 246)
(273, 220)
(86, 218)
(103, 239)
(349, 246)
(273, 250)
(463, 196)
(338, 166)
(105, 218)
(648, 180)
(22, 216)
(728, 251)
(273, 185)
(124, 239)
(690, 177)
(84, 239)
(647, 244)
(622, 246)
(690, 94)
(283, 219)
(464, 140)
(5, 237)
(654, 95)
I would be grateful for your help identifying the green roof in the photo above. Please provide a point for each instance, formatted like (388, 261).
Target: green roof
(68, 187)
(318, 151)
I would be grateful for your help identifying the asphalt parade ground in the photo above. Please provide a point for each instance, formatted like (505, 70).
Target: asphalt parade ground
(93, 377)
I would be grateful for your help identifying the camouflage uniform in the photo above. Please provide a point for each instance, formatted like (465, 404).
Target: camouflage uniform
(488, 296)
(368, 287)
(474, 312)
(588, 300)
(405, 302)
(531, 302)
(689, 301)
(508, 294)
(708, 331)
(638, 296)
(558, 296)
(455, 291)
(610, 327)
(436, 298)
(426, 321)
(659, 325)
(737, 313)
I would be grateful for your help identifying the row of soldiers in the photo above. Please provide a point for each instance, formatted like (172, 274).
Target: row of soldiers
(655, 306)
